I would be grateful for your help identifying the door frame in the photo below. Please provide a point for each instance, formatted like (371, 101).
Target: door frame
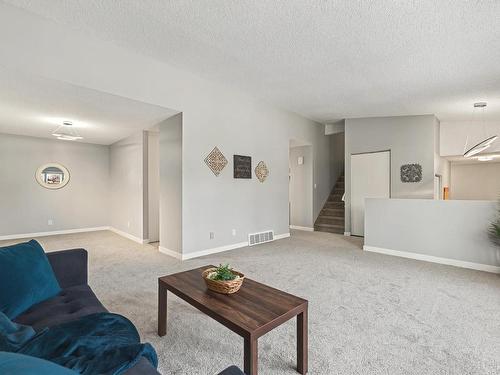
(440, 183)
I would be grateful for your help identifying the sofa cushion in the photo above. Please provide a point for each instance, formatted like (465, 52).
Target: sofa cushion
(72, 303)
(13, 363)
(26, 278)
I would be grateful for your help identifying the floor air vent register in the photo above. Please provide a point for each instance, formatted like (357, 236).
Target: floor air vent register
(258, 238)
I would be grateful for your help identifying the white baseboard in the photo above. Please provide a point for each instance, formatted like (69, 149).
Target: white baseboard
(281, 236)
(433, 259)
(213, 250)
(169, 252)
(129, 236)
(298, 227)
(347, 234)
(51, 233)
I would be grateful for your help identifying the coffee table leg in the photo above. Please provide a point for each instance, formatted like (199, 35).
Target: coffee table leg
(302, 342)
(162, 310)
(250, 356)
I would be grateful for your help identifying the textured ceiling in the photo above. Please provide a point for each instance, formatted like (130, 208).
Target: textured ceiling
(323, 59)
(36, 106)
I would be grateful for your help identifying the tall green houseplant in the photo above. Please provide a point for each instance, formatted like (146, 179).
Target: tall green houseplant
(494, 230)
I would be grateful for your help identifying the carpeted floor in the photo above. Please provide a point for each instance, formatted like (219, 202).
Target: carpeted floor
(368, 313)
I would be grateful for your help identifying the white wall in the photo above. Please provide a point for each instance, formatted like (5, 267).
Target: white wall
(475, 181)
(441, 164)
(445, 171)
(171, 184)
(213, 115)
(411, 139)
(335, 127)
(127, 184)
(153, 161)
(455, 133)
(221, 204)
(26, 207)
(437, 155)
(301, 187)
(455, 231)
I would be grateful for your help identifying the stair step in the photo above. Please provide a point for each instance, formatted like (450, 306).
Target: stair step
(334, 204)
(335, 226)
(331, 217)
(331, 220)
(335, 198)
(329, 228)
(339, 212)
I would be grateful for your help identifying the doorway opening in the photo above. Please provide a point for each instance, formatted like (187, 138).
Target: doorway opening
(153, 173)
(301, 165)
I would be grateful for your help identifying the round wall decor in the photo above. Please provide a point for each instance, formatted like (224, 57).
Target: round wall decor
(52, 176)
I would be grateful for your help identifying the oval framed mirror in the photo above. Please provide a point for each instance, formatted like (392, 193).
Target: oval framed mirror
(52, 176)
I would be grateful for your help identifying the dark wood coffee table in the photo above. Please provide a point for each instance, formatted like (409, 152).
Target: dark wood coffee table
(251, 312)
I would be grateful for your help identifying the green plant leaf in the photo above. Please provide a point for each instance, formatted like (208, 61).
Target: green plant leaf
(224, 273)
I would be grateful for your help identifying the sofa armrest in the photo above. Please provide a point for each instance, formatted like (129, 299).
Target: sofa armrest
(233, 370)
(70, 266)
(142, 367)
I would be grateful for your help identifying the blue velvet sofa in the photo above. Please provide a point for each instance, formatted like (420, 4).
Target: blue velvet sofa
(77, 300)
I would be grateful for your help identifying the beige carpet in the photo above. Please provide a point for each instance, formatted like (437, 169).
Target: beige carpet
(369, 313)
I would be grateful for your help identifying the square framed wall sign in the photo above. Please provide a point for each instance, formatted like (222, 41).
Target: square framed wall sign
(411, 173)
(242, 166)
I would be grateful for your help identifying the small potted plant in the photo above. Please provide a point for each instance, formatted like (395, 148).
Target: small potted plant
(223, 279)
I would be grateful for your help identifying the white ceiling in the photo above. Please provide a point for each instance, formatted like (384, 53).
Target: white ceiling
(35, 106)
(323, 59)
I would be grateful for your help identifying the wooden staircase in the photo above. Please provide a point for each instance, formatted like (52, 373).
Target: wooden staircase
(331, 217)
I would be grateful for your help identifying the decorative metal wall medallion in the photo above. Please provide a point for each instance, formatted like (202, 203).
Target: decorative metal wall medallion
(216, 161)
(411, 173)
(261, 171)
(242, 166)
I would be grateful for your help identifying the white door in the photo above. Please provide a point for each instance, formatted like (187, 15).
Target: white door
(370, 178)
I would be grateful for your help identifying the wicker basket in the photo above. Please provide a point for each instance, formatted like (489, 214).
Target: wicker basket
(224, 287)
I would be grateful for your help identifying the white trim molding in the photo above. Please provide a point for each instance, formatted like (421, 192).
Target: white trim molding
(433, 259)
(129, 236)
(281, 236)
(213, 250)
(51, 233)
(169, 252)
(347, 234)
(298, 227)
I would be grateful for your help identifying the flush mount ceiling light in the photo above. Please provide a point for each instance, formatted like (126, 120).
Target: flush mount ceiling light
(66, 132)
(486, 142)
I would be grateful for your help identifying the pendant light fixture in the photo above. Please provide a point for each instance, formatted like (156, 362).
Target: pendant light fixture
(66, 132)
(486, 142)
